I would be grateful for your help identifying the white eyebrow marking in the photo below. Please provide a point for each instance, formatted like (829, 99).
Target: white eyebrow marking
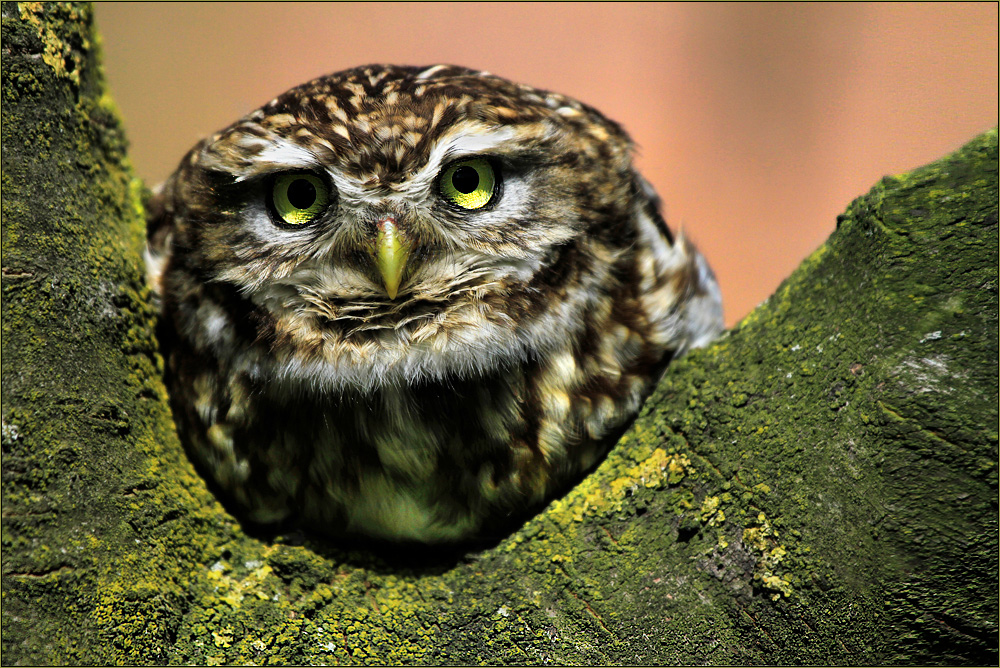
(250, 155)
(286, 154)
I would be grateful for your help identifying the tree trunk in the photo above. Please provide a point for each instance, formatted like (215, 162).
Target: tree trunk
(820, 486)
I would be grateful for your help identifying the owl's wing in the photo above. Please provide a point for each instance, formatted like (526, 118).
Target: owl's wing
(684, 301)
(703, 321)
(653, 205)
(159, 232)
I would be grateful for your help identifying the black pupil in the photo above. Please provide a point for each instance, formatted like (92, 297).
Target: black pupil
(465, 179)
(301, 194)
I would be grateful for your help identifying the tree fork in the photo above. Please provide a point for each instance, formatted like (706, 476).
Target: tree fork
(820, 486)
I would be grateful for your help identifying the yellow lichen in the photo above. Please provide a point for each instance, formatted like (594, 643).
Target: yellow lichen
(658, 470)
(56, 51)
(780, 586)
(710, 511)
(762, 537)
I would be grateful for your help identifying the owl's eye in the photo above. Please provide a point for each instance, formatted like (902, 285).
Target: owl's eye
(298, 197)
(470, 184)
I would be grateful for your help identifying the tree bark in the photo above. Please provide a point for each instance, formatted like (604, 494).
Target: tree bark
(820, 486)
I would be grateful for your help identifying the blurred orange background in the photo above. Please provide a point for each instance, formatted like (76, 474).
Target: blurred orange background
(757, 123)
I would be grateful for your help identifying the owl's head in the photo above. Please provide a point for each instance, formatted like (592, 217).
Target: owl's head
(387, 224)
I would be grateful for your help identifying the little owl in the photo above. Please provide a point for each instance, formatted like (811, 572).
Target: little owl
(414, 302)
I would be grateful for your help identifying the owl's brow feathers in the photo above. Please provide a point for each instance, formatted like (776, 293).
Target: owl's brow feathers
(372, 128)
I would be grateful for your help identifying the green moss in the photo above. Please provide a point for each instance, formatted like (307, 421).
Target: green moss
(818, 487)
(81, 401)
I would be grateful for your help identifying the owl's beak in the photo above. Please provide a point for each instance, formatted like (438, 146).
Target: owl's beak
(391, 251)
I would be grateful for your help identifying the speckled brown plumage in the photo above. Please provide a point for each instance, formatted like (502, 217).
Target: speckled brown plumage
(524, 335)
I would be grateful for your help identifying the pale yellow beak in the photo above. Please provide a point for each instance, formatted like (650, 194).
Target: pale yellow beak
(391, 251)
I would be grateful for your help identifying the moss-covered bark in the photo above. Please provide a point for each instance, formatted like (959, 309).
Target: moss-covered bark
(818, 487)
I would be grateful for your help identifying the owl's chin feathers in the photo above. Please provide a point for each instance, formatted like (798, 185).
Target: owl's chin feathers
(435, 353)
(458, 316)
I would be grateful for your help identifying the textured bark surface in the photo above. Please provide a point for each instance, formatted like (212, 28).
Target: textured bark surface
(818, 487)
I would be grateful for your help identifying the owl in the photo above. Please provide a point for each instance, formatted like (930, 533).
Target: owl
(414, 303)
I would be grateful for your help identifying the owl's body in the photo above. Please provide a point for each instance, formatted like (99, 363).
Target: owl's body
(412, 302)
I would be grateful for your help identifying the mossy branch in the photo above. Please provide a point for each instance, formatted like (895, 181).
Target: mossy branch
(818, 487)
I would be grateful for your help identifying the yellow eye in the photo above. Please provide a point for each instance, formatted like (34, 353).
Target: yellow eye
(299, 197)
(470, 184)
